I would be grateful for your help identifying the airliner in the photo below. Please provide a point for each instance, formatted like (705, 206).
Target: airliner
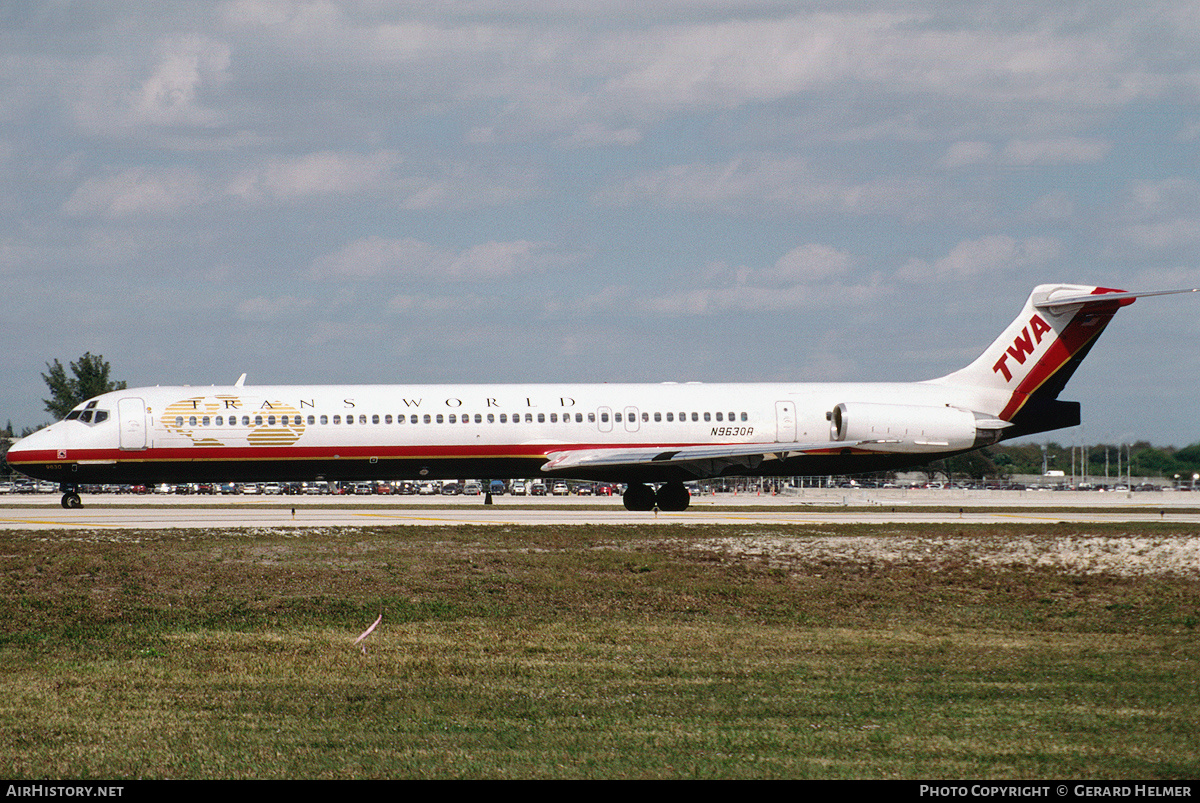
(651, 437)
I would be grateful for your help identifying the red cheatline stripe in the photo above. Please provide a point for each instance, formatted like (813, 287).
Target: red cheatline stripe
(252, 453)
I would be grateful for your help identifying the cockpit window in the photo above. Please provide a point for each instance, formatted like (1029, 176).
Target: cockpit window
(88, 415)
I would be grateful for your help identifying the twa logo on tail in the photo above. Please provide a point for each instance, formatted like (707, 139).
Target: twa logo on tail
(1022, 346)
(1043, 344)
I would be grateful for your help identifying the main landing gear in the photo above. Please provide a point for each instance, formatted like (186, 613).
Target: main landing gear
(70, 498)
(670, 497)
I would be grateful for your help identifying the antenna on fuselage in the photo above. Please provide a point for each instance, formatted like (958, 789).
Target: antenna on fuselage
(241, 381)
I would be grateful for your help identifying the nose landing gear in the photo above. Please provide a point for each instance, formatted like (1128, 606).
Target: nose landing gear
(70, 498)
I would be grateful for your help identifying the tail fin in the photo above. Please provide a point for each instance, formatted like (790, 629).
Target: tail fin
(1021, 374)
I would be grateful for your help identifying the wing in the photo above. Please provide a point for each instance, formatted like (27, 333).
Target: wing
(702, 461)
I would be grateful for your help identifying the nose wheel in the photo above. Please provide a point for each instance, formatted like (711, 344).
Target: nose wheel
(71, 498)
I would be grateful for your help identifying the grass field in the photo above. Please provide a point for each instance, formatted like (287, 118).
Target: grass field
(602, 651)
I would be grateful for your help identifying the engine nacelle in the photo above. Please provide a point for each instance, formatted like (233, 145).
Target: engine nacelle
(913, 428)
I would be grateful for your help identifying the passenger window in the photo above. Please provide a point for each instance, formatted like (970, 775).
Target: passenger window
(324, 419)
(375, 419)
(337, 419)
(427, 419)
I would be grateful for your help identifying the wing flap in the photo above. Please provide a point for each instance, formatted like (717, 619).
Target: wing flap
(704, 460)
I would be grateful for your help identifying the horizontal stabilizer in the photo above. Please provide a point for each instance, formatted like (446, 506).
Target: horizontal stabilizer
(1055, 301)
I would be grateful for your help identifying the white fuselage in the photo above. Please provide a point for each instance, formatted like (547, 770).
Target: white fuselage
(288, 432)
(637, 434)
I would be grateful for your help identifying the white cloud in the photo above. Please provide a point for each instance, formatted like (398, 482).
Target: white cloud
(139, 192)
(262, 309)
(994, 256)
(810, 263)
(760, 181)
(172, 94)
(1065, 150)
(594, 135)
(463, 185)
(810, 276)
(406, 258)
(1027, 152)
(1161, 215)
(961, 154)
(315, 174)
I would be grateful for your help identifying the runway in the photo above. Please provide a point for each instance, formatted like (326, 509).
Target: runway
(815, 508)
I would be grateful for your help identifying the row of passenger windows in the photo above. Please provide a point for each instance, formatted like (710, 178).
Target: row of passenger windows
(449, 418)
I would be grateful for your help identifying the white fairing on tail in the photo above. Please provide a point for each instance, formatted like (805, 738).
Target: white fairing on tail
(643, 435)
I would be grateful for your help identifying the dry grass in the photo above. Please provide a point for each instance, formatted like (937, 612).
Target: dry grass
(542, 652)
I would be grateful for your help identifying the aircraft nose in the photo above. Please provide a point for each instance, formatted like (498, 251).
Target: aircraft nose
(40, 447)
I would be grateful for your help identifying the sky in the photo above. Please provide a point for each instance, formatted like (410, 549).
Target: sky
(601, 191)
